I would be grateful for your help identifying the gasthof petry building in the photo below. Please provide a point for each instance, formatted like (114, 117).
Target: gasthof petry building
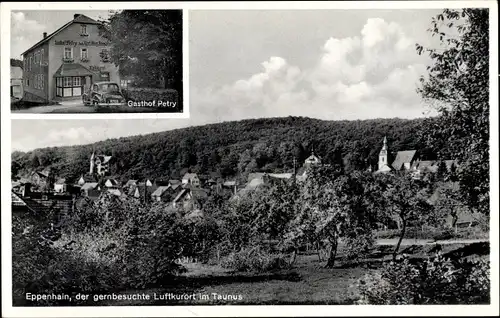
(62, 64)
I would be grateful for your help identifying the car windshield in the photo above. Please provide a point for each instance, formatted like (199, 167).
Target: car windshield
(109, 88)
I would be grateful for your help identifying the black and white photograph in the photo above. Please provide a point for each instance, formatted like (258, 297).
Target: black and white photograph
(340, 157)
(109, 61)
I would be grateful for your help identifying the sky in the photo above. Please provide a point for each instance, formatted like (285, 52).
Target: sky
(27, 27)
(326, 64)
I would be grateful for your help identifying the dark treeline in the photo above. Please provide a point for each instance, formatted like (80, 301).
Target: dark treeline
(232, 149)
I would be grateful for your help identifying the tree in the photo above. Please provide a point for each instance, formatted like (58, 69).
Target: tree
(448, 202)
(333, 208)
(16, 62)
(458, 84)
(148, 45)
(405, 200)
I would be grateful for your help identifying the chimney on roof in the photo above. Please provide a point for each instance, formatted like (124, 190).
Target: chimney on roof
(76, 15)
(44, 35)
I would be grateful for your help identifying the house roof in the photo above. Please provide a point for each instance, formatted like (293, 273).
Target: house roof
(189, 176)
(229, 183)
(254, 183)
(43, 173)
(281, 175)
(301, 171)
(199, 193)
(130, 183)
(172, 182)
(313, 158)
(255, 175)
(402, 157)
(104, 159)
(113, 182)
(116, 192)
(181, 194)
(79, 19)
(159, 191)
(61, 181)
(89, 185)
(72, 69)
(428, 165)
(384, 168)
(140, 190)
(88, 178)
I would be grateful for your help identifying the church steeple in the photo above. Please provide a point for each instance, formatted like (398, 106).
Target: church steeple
(383, 157)
(92, 157)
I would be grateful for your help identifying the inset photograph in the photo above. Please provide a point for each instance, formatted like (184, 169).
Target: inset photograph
(116, 61)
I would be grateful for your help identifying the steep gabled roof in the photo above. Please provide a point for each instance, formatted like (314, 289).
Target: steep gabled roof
(79, 19)
(402, 157)
(181, 195)
(113, 182)
(159, 191)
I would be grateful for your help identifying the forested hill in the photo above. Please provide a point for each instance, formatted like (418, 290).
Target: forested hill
(231, 148)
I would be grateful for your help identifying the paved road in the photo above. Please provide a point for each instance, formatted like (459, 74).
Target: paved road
(76, 106)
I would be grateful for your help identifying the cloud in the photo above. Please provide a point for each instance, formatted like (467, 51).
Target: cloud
(372, 74)
(24, 33)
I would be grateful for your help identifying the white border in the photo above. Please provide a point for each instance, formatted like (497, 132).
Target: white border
(183, 311)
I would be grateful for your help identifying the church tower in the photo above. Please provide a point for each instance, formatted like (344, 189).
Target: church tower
(383, 157)
(92, 163)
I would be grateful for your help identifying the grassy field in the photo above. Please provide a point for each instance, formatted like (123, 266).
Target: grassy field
(307, 283)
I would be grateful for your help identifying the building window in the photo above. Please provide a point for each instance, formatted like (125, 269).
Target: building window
(125, 83)
(83, 30)
(42, 80)
(31, 59)
(68, 53)
(84, 54)
(77, 81)
(68, 86)
(41, 57)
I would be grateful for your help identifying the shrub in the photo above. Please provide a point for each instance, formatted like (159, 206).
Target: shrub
(254, 259)
(358, 247)
(433, 281)
(150, 94)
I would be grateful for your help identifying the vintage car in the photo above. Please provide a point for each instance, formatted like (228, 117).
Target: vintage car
(103, 93)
